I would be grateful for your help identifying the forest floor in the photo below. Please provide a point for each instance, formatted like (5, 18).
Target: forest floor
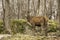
(4, 35)
(27, 37)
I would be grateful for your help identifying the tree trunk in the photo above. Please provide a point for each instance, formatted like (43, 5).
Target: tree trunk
(6, 15)
(59, 10)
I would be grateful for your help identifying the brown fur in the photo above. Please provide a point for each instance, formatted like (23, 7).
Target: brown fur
(38, 21)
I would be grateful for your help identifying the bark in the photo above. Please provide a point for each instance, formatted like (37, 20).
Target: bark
(59, 10)
(18, 4)
(6, 15)
(38, 6)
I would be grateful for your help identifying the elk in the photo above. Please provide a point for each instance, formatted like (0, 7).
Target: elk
(40, 21)
(37, 20)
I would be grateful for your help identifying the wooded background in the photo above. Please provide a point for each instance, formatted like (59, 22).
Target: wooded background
(17, 9)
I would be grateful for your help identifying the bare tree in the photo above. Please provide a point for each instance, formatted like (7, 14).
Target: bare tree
(18, 4)
(38, 7)
(6, 15)
(59, 10)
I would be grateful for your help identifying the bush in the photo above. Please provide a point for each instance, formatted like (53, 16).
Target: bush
(1, 26)
(52, 26)
(18, 25)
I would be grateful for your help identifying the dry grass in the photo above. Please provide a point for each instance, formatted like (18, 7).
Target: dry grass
(29, 37)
